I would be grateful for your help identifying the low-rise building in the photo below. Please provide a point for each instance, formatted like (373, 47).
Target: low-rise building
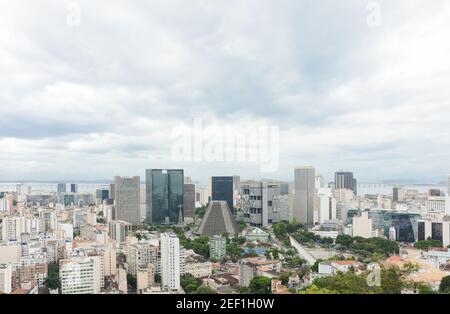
(249, 267)
(256, 234)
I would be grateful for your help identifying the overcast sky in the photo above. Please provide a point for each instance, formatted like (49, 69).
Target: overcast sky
(349, 86)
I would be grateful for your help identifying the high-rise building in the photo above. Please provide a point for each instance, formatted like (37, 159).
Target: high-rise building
(127, 199)
(201, 195)
(5, 204)
(345, 180)
(170, 262)
(189, 200)
(304, 195)
(80, 275)
(101, 195)
(12, 228)
(165, 196)
(222, 190)
(327, 206)
(398, 194)
(73, 188)
(285, 188)
(448, 192)
(319, 181)
(119, 230)
(112, 191)
(362, 226)
(435, 192)
(141, 255)
(61, 188)
(256, 202)
(5, 278)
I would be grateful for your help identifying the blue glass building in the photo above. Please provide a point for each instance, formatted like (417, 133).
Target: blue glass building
(222, 190)
(164, 196)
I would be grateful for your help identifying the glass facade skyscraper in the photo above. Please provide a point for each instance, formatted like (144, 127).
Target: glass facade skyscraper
(164, 196)
(222, 190)
(61, 188)
(73, 188)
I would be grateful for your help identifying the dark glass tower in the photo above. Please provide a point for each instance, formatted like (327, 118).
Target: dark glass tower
(345, 180)
(222, 190)
(73, 188)
(165, 194)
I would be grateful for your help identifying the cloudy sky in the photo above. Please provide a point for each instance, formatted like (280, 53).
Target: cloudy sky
(350, 84)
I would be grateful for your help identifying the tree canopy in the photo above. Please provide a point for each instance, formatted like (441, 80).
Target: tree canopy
(260, 285)
(444, 287)
(190, 284)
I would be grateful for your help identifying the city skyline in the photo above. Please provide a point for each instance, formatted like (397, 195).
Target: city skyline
(97, 90)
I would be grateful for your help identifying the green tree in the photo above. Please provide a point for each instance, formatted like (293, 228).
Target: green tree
(204, 290)
(200, 212)
(52, 280)
(391, 281)
(425, 245)
(315, 267)
(284, 277)
(348, 283)
(280, 230)
(234, 251)
(344, 240)
(260, 285)
(189, 283)
(295, 262)
(132, 281)
(316, 290)
(444, 287)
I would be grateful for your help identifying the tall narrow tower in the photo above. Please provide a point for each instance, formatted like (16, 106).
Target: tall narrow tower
(304, 195)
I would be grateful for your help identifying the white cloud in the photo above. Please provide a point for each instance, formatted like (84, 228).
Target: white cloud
(105, 96)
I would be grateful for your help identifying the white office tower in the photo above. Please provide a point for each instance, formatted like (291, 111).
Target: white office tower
(362, 226)
(327, 205)
(80, 275)
(5, 278)
(170, 262)
(304, 195)
(448, 185)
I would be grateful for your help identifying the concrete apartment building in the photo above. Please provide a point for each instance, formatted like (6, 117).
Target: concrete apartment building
(170, 262)
(80, 275)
